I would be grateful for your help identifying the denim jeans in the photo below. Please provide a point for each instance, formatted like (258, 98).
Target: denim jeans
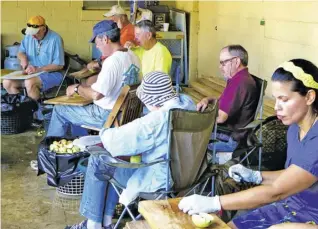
(99, 197)
(63, 116)
(224, 146)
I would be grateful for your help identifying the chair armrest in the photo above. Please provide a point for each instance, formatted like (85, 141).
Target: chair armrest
(224, 130)
(253, 124)
(91, 128)
(109, 160)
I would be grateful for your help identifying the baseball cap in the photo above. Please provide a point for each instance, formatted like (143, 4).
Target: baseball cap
(105, 26)
(33, 25)
(115, 10)
(156, 89)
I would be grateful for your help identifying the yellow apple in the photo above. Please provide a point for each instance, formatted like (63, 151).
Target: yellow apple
(135, 159)
(202, 220)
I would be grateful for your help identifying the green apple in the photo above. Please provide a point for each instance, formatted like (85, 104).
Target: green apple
(135, 159)
(202, 220)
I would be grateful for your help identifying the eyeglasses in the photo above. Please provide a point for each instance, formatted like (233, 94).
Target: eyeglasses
(223, 62)
(33, 26)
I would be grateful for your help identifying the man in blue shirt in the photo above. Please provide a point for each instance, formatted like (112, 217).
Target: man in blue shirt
(41, 50)
(147, 137)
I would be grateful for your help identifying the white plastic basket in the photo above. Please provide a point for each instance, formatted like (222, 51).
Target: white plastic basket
(74, 187)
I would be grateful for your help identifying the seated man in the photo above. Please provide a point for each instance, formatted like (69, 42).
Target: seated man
(239, 99)
(41, 50)
(120, 67)
(146, 136)
(153, 55)
(127, 34)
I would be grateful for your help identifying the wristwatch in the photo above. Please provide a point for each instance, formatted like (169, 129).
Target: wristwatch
(76, 89)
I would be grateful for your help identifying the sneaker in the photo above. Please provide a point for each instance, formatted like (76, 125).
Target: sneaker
(110, 226)
(34, 165)
(81, 225)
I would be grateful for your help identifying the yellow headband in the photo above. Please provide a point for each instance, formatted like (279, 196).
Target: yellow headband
(298, 73)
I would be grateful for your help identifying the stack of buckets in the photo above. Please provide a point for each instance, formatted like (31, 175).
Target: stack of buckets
(11, 60)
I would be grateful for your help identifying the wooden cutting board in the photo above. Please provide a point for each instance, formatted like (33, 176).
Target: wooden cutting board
(140, 224)
(6, 71)
(165, 214)
(75, 100)
(84, 73)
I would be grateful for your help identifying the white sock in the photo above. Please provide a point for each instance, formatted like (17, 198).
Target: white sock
(107, 220)
(93, 225)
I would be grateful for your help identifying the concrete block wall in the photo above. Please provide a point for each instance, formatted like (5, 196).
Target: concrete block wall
(290, 31)
(65, 17)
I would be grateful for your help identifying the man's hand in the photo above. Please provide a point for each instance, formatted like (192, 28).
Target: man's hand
(240, 173)
(24, 63)
(92, 65)
(129, 45)
(196, 204)
(70, 90)
(31, 69)
(203, 104)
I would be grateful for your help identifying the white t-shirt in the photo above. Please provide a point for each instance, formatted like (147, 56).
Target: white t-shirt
(118, 69)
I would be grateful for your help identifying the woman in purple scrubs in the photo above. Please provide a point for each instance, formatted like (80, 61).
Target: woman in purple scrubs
(291, 194)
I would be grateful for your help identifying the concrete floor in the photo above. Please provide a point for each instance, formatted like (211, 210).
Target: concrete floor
(26, 200)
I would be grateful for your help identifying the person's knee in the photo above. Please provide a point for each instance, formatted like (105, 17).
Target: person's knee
(31, 84)
(7, 84)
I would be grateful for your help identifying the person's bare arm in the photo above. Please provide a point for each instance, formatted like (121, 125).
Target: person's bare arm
(294, 226)
(270, 176)
(23, 60)
(290, 181)
(84, 91)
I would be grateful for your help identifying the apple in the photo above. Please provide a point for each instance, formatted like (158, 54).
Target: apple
(135, 159)
(202, 220)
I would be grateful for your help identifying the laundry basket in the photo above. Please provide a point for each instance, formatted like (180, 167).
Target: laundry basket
(74, 187)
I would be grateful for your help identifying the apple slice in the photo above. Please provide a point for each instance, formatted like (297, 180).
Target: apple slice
(202, 220)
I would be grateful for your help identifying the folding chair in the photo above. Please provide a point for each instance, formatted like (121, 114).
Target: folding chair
(261, 85)
(273, 145)
(72, 63)
(186, 158)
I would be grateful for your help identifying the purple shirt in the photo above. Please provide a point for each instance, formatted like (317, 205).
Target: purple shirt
(239, 100)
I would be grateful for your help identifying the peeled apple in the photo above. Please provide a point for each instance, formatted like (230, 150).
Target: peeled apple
(202, 220)
(64, 146)
(135, 159)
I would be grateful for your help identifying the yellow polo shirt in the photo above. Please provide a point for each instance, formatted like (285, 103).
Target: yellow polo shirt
(158, 58)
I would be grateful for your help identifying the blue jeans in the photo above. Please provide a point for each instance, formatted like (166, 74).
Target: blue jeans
(224, 146)
(99, 197)
(63, 116)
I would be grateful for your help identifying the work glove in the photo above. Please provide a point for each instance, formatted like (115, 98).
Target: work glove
(240, 173)
(198, 204)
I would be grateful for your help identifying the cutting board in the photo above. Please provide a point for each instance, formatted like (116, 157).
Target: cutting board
(140, 224)
(6, 72)
(165, 214)
(18, 75)
(84, 73)
(75, 100)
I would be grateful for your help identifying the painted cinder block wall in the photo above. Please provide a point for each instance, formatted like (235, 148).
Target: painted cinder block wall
(290, 31)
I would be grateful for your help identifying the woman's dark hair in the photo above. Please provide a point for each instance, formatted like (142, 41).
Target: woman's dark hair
(282, 75)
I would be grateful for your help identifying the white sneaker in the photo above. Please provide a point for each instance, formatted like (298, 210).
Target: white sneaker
(34, 165)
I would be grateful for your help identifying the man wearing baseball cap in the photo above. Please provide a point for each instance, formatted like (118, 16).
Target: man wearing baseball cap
(146, 136)
(120, 68)
(127, 34)
(41, 50)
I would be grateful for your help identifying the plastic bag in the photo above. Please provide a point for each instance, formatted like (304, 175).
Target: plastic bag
(17, 103)
(60, 168)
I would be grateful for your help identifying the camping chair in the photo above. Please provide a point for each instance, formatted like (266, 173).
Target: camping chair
(261, 85)
(186, 158)
(72, 63)
(273, 145)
